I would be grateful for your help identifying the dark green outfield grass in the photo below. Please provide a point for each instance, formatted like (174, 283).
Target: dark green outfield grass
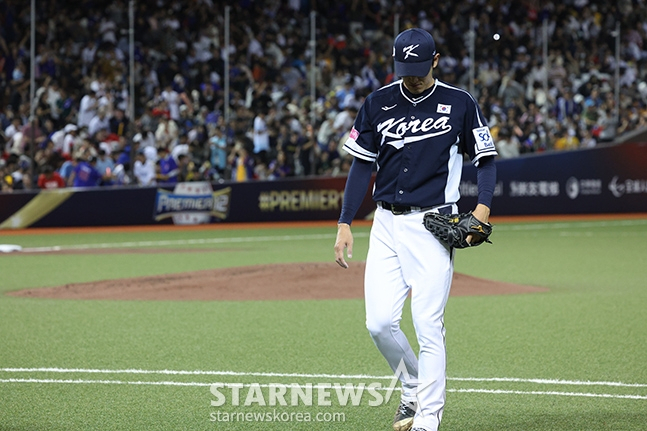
(571, 358)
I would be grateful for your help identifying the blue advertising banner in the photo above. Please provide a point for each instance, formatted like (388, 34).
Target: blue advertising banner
(183, 203)
(609, 179)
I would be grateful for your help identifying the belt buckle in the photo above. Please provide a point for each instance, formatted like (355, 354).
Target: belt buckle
(396, 211)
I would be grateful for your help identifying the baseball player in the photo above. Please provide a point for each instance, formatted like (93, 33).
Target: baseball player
(416, 130)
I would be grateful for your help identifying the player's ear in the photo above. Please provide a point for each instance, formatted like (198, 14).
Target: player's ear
(435, 63)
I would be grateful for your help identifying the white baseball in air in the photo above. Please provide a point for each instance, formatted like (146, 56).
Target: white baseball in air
(496, 36)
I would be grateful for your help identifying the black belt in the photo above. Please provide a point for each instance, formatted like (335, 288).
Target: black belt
(406, 209)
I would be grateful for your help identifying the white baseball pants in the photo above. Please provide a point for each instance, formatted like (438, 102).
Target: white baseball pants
(404, 257)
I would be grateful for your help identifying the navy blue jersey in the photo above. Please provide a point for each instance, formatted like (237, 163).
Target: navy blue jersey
(418, 142)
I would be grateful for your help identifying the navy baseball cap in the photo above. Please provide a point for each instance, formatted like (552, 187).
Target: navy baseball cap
(413, 50)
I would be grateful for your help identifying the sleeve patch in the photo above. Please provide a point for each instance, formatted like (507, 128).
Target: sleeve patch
(354, 134)
(354, 149)
(483, 139)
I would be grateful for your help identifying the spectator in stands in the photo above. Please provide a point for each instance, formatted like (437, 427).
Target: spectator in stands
(66, 169)
(105, 165)
(587, 140)
(6, 182)
(21, 179)
(47, 155)
(567, 139)
(175, 98)
(32, 134)
(120, 175)
(261, 169)
(217, 150)
(169, 171)
(566, 107)
(326, 131)
(279, 167)
(85, 174)
(345, 119)
(261, 133)
(57, 138)
(242, 163)
(14, 127)
(507, 145)
(167, 132)
(341, 166)
(70, 140)
(144, 169)
(50, 179)
(306, 150)
(324, 165)
(43, 109)
(89, 106)
(180, 67)
(101, 121)
(118, 123)
(183, 164)
(290, 146)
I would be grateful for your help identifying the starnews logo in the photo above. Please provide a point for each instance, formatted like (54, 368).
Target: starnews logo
(308, 394)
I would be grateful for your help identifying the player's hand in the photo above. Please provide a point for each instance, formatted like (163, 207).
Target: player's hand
(344, 242)
(482, 213)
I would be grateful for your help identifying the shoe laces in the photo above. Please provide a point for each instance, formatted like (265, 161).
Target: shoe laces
(406, 408)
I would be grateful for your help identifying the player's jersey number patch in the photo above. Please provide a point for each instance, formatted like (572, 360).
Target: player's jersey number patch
(483, 138)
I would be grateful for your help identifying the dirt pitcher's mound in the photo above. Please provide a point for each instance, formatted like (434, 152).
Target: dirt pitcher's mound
(261, 282)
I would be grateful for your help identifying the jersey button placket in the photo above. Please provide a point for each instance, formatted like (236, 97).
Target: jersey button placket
(403, 180)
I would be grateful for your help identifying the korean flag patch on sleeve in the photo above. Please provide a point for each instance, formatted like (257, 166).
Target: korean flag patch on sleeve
(483, 139)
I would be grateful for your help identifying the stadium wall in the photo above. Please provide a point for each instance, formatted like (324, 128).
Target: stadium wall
(611, 179)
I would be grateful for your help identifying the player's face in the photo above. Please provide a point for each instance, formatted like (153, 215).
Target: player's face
(418, 84)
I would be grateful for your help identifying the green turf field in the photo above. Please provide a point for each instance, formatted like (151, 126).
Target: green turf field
(572, 358)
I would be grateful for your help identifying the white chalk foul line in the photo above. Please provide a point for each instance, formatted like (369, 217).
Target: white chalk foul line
(312, 376)
(172, 383)
(178, 242)
(549, 393)
(193, 373)
(548, 381)
(571, 225)
(324, 386)
(275, 238)
(104, 382)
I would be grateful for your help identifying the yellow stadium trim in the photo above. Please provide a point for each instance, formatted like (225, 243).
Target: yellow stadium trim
(42, 204)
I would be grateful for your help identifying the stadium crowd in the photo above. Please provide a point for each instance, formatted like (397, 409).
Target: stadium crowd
(83, 132)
